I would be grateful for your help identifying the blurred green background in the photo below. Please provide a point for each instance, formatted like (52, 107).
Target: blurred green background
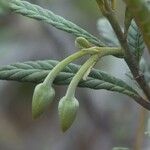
(105, 120)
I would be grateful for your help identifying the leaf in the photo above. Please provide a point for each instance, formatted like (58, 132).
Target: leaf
(36, 72)
(135, 41)
(36, 12)
(141, 12)
(107, 32)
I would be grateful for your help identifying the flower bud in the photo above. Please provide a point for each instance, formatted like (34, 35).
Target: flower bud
(43, 95)
(81, 43)
(67, 112)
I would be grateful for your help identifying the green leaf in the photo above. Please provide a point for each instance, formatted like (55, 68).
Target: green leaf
(36, 72)
(141, 12)
(135, 41)
(107, 33)
(38, 13)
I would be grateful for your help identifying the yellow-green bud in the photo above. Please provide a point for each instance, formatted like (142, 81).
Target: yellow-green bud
(81, 43)
(67, 112)
(42, 97)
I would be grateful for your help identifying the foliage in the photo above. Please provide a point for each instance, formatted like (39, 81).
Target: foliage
(135, 41)
(127, 44)
(38, 13)
(36, 71)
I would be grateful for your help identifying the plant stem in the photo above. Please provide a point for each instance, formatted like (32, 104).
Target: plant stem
(129, 58)
(142, 101)
(93, 50)
(73, 84)
(60, 66)
(115, 51)
(103, 51)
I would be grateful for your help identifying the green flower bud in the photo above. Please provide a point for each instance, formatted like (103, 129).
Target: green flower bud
(43, 95)
(67, 112)
(81, 43)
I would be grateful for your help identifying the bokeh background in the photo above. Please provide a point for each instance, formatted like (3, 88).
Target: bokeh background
(105, 119)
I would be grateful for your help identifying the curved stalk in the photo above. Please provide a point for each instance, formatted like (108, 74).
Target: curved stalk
(52, 75)
(87, 65)
(73, 84)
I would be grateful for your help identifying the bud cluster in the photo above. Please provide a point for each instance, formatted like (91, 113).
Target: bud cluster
(44, 93)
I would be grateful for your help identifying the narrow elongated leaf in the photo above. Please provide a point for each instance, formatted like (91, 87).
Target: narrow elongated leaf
(141, 12)
(38, 13)
(38, 70)
(107, 33)
(135, 41)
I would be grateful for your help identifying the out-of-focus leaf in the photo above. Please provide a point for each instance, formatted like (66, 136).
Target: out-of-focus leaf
(106, 32)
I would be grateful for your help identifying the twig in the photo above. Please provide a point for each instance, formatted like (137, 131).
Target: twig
(129, 58)
(140, 11)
